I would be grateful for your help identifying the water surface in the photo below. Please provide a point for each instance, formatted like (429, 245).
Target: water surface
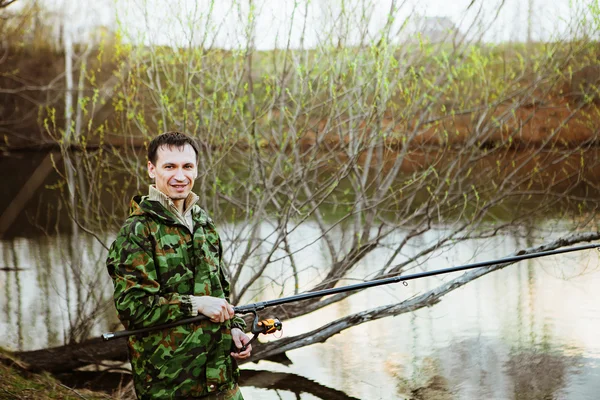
(527, 332)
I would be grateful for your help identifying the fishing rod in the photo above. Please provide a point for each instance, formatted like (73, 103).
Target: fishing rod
(272, 325)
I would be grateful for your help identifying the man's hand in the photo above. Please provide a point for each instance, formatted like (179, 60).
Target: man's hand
(216, 309)
(239, 340)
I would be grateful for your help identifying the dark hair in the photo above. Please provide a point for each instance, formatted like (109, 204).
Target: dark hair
(170, 139)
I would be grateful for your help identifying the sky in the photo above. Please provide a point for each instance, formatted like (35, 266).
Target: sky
(224, 23)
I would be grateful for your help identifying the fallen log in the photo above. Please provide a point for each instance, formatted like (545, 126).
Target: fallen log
(70, 357)
(96, 351)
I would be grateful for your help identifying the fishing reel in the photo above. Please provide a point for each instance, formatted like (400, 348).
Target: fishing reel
(265, 326)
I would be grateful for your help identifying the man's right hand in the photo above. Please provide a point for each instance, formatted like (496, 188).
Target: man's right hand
(216, 309)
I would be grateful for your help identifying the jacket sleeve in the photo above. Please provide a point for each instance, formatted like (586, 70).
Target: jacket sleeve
(137, 295)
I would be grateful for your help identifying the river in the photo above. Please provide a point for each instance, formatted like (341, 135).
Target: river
(526, 332)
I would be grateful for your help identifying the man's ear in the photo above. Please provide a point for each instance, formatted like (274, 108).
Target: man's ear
(151, 170)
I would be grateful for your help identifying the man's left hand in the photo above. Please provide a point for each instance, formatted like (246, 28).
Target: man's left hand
(240, 339)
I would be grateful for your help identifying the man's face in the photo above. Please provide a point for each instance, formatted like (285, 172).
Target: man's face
(175, 171)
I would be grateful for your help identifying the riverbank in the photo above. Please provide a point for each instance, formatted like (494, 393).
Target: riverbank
(519, 97)
(18, 383)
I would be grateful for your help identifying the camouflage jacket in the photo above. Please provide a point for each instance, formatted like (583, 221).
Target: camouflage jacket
(156, 263)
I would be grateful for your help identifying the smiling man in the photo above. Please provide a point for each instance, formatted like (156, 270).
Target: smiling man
(166, 264)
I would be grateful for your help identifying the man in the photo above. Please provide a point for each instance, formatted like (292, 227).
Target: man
(166, 264)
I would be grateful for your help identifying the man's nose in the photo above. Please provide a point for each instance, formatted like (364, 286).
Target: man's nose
(179, 175)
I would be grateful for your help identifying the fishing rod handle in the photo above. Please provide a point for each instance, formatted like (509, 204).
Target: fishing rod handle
(238, 310)
(125, 333)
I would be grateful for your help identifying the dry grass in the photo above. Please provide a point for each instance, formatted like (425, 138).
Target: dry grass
(18, 383)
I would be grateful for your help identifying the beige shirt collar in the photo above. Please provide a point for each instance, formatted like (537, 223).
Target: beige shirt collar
(186, 218)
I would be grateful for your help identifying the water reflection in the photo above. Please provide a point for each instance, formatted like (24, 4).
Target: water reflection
(425, 381)
(470, 369)
(48, 299)
(283, 384)
(521, 333)
(480, 368)
(538, 373)
(292, 383)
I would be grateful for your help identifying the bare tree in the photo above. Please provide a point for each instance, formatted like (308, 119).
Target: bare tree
(374, 139)
(55, 99)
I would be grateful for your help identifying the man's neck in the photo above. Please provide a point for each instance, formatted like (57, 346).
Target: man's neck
(179, 203)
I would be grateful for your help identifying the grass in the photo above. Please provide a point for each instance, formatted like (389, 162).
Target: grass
(17, 383)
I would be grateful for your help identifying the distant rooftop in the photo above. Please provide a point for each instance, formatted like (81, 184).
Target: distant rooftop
(433, 29)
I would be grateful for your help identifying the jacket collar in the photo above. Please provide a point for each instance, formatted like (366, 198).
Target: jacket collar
(141, 205)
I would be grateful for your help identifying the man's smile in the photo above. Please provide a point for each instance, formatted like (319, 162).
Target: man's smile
(180, 186)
